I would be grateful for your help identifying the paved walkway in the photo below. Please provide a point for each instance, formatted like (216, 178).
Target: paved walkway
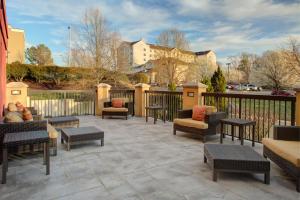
(138, 161)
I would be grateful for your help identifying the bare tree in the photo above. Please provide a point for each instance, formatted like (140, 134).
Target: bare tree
(96, 45)
(247, 61)
(271, 70)
(170, 65)
(291, 54)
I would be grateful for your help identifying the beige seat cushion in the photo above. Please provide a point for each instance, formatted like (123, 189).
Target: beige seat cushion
(125, 100)
(52, 131)
(111, 109)
(288, 150)
(11, 107)
(189, 122)
(210, 109)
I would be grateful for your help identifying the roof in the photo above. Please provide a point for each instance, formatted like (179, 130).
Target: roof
(199, 53)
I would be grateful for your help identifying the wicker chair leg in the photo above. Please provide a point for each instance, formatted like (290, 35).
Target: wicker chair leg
(298, 185)
(102, 116)
(203, 139)
(174, 131)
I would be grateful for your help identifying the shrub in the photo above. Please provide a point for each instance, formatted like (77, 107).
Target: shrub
(36, 73)
(218, 81)
(17, 71)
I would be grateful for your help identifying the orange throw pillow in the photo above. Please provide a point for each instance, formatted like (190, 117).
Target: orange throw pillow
(27, 116)
(117, 103)
(199, 113)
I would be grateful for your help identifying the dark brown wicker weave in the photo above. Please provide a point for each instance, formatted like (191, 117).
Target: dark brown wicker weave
(235, 158)
(128, 105)
(213, 120)
(64, 122)
(289, 133)
(71, 135)
(14, 140)
(6, 128)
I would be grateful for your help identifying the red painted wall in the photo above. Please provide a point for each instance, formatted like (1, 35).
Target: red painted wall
(3, 48)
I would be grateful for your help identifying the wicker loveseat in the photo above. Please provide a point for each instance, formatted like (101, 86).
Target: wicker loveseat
(284, 150)
(108, 110)
(185, 123)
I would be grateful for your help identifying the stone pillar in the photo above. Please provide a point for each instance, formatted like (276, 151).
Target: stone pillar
(192, 94)
(297, 106)
(102, 95)
(17, 91)
(140, 99)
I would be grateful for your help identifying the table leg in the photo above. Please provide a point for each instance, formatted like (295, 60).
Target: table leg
(232, 132)
(47, 158)
(102, 142)
(44, 157)
(164, 115)
(241, 133)
(215, 175)
(253, 135)
(267, 178)
(221, 134)
(155, 116)
(205, 159)
(4, 165)
(147, 114)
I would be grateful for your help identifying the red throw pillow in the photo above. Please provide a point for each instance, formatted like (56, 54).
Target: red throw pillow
(117, 103)
(27, 116)
(199, 113)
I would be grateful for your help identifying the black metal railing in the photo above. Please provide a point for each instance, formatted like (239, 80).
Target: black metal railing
(266, 110)
(128, 94)
(171, 102)
(53, 103)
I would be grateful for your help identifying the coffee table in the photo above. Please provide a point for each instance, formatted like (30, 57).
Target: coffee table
(235, 158)
(241, 123)
(71, 135)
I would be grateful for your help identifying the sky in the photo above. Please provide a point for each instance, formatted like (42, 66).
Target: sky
(228, 27)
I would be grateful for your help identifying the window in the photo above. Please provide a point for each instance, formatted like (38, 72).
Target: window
(144, 49)
(144, 54)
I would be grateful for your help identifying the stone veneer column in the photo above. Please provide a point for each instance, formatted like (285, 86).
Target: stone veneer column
(297, 106)
(102, 95)
(192, 94)
(140, 99)
(17, 91)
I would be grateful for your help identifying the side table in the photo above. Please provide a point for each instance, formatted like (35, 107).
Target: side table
(155, 110)
(25, 138)
(241, 123)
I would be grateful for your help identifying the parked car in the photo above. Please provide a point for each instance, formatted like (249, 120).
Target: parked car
(282, 93)
(251, 87)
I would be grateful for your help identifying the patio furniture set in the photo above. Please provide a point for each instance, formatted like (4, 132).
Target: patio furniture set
(284, 149)
(41, 135)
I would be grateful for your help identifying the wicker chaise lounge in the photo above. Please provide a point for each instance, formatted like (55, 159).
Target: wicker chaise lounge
(109, 110)
(185, 123)
(284, 150)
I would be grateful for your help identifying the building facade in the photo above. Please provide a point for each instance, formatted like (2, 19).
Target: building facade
(16, 45)
(139, 56)
(3, 49)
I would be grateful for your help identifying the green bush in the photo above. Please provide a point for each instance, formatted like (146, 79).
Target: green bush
(36, 73)
(17, 71)
(218, 81)
(141, 78)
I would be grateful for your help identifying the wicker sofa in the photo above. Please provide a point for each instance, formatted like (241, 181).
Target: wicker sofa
(31, 109)
(185, 123)
(284, 150)
(108, 110)
(6, 128)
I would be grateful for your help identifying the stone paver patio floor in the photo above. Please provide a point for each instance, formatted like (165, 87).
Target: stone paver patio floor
(138, 161)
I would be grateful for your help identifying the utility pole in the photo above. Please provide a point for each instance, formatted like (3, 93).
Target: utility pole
(228, 73)
(70, 53)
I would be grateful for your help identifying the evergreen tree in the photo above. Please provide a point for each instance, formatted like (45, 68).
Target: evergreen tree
(206, 80)
(218, 81)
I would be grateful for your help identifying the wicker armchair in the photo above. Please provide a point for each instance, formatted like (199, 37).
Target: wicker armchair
(124, 112)
(6, 128)
(211, 120)
(284, 150)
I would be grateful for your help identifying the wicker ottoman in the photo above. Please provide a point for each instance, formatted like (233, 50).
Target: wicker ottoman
(64, 122)
(235, 158)
(71, 135)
